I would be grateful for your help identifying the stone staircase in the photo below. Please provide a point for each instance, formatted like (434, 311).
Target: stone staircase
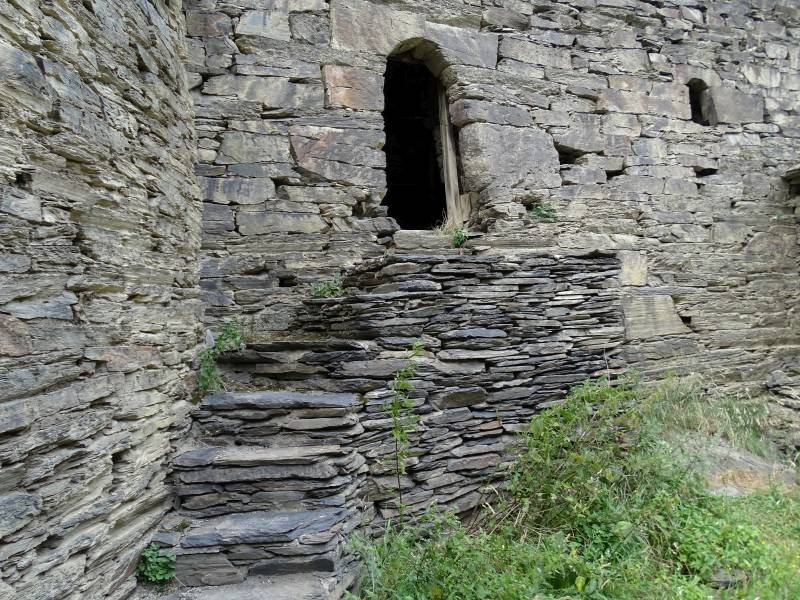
(269, 488)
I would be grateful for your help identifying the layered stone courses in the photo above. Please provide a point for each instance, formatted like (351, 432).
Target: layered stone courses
(582, 104)
(503, 337)
(275, 488)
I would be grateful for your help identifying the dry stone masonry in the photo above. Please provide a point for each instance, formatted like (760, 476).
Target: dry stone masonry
(272, 488)
(502, 337)
(585, 105)
(169, 165)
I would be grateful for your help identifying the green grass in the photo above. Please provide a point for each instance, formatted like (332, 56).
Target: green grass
(600, 505)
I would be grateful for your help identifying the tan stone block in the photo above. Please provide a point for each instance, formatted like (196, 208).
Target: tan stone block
(349, 87)
(651, 316)
(634, 268)
(363, 26)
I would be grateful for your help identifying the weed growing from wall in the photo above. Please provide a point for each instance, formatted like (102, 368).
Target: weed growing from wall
(458, 237)
(156, 566)
(328, 289)
(404, 421)
(542, 211)
(230, 338)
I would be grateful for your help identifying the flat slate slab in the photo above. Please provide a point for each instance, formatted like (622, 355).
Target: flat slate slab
(261, 527)
(303, 586)
(277, 400)
(287, 587)
(245, 456)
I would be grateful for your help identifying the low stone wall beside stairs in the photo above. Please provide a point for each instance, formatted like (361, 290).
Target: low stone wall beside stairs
(504, 336)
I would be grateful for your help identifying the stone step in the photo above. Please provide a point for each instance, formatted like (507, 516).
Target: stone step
(298, 361)
(213, 481)
(231, 548)
(280, 400)
(280, 351)
(278, 419)
(302, 586)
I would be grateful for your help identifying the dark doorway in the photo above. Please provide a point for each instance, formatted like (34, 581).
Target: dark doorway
(415, 190)
(696, 89)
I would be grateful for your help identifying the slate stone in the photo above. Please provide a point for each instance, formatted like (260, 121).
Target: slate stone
(16, 510)
(473, 333)
(352, 88)
(244, 456)
(459, 397)
(503, 156)
(727, 105)
(651, 316)
(237, 190)
(537, 54)
(362, 26)
(260, 528)
(272, 24)
(277, 400)
(104, 237)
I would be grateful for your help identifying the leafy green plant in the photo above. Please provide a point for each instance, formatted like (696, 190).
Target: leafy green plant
(155, 565)
(404, 421)
(542, 211)
(458, 237)
(231, 337)
(328, 289)
(602, 505)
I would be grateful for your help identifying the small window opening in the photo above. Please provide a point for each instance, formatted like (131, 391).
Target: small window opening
(696, 89)
(705, 171)
(421, 148)
(567, 156)
(24, 180)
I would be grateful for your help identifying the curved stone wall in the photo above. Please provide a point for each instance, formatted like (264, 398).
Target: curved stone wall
(99, 221)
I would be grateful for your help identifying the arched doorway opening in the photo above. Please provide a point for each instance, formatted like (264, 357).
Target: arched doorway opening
(421, 147)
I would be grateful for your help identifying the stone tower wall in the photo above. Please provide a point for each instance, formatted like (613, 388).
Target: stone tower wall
(583, 104)
(99, 308)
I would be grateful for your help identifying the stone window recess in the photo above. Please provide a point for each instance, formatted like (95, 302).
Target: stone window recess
(792, 177)
(422, 165)
(699, 101)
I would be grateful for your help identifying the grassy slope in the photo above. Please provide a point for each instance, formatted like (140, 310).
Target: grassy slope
(600, 505)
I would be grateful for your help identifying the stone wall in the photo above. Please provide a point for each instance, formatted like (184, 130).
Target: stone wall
(503, 339)
(100, 220)
(582, 104)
